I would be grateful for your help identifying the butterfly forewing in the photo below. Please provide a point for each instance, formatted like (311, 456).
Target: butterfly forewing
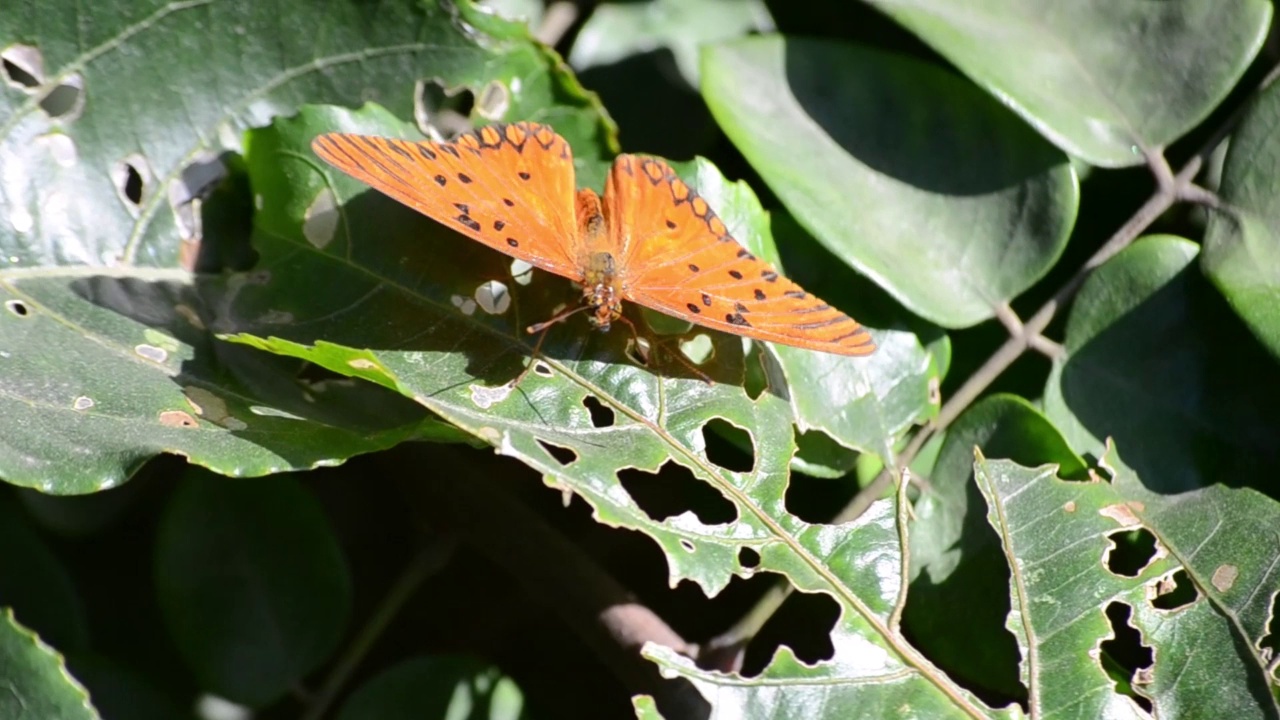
(677, 257)
(510, 187)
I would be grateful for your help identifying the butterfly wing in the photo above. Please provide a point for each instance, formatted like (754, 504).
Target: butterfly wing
(678, 257)
(510, 187)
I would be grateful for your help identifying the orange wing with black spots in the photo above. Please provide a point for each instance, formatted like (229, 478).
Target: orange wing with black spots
(510, 187)
(676, 256)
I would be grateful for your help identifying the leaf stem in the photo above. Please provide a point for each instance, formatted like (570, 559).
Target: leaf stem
(425, 564)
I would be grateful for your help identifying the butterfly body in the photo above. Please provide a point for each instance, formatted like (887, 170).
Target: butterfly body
(650, 239)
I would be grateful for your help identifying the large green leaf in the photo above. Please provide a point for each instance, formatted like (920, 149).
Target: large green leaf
(1242, 243)
(36, 683)
(414, 307)
(958, 601)
(905, 172)
(252, 584)
(105, 339)
(1103, 80)
(617, 30)
(1055, 535)
(1155, 360)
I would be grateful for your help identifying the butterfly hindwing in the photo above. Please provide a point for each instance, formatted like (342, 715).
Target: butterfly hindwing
(510, 187)
(678, 257)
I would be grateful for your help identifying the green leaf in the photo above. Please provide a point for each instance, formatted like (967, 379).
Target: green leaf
(1056, 536)
(616, 31)
(1156, 361)
(105, 342)
(645, 707)
(458, 688)
(1241, 244)
(251, 582)
(906, 173)
(36, 683)
(958, 601)
(1104, 81)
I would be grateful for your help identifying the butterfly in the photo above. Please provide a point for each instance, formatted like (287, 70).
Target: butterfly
(650, 239)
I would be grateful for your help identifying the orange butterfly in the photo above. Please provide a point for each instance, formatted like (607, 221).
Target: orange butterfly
(650, 240)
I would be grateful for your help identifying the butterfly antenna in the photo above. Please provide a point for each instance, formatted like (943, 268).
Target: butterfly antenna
(542, 326)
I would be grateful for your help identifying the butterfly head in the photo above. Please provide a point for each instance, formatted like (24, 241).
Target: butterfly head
(599, 290)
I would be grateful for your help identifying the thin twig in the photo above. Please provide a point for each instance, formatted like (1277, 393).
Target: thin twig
(426, 563)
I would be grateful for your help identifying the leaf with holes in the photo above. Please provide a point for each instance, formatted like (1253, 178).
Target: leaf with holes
(1200, 603)
(413, 306)
(1147, 322)
(958, 600)
(1101, 80)
(914, 177)
(106, 344)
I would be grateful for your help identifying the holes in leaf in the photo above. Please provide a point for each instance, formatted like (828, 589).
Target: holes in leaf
(442, 113)
(1131, 550)
(23, 66)
(542, 369)
(803, 623)
(66, 100)
(562, 454)
(748, 558)
(601, 416)
(1270, 642)
(729, 446)
(494, 101)
(638, 351)
(130, 177)
(1126, 660)
(17, 307)
(1174, 591)
(674, 490)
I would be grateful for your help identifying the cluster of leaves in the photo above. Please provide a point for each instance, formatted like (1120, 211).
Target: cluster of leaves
(180, 276)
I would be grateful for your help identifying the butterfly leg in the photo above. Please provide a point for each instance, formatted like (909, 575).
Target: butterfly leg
(560, 317)
(542, 329)
(537, 348)
(635, 335)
